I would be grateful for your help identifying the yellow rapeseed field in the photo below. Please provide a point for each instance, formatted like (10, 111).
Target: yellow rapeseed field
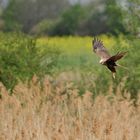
(76, 44)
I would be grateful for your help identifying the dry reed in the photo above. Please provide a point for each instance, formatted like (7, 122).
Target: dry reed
(57, 112)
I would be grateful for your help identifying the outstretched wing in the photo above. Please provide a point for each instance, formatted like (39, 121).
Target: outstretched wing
(100, 50)
(117, 56)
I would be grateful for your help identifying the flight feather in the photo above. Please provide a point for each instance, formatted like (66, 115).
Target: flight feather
(100, 50)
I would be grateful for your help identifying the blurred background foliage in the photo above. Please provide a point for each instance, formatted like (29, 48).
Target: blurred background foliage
(30, 42)
(68, 17)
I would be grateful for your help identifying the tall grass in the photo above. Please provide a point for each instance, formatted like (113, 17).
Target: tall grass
(57, 112)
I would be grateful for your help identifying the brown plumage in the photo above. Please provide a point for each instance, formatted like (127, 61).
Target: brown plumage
(106, 59)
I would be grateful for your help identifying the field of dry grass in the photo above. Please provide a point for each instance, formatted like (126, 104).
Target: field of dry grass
(55, 111)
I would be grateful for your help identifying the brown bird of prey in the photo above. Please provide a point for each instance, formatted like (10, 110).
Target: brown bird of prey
(106, 59)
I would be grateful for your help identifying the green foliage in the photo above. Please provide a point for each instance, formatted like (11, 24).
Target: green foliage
(10, 17)
(131, 17)
(43, 27)
(57, 17)
(69, 21)
(21, 58)
(114, 18)
(25, 14)
(133, 81)
(91, 20)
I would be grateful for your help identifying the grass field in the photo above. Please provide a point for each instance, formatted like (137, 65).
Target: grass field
(54, 88)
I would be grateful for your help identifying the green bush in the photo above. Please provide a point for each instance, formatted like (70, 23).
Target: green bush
(21, 58)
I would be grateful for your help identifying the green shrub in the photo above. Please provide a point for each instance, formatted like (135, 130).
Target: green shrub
(21, 58)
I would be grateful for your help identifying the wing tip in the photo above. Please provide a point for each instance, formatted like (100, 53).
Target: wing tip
(96, 38)
(97, 43)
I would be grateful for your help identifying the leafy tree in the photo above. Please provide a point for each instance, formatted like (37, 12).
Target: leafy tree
(131, 16)
(114, 17)
(10, 16)
(69, 21)
(27, 13)
(103, 16)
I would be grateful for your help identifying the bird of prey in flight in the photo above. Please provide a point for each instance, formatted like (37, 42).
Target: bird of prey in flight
(106, 59)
